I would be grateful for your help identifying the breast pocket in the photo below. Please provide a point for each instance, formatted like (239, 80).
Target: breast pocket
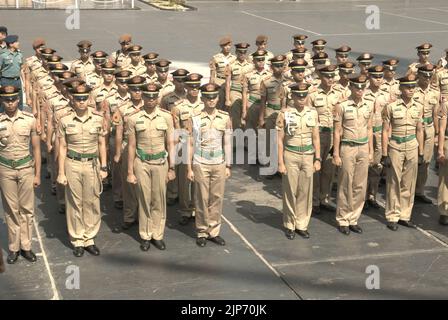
(398, 117)
(71, 130)
(349, 115)
(319, 104)
(310, 122)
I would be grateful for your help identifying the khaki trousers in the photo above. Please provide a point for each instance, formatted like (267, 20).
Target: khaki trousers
(18, 203)
(428, 152)
(130, 202)
(442, 199)
(186, 192)
(82, 198)
(297, 187)
(401, 179)
(352, 183)
(222, 93)
(375, 169)
(209, 187)
(60, 189)
(117, 182)
(151, 193)
(322, 179)
(236, 108)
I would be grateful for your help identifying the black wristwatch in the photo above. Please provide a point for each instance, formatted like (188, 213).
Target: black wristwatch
(103, 168)
(171, 168)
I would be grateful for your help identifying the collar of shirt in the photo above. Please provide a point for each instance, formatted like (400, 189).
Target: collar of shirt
(89, 115)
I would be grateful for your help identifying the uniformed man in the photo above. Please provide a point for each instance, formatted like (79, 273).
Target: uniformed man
(443, 60)
(119, 120)
(32, 63)
(11, 66)
(20, 172)
(402, 152)
(121, 57)
(262, 43)
(211, 155)
(165, 84)
(3, 35)
(182, 113)
(151, 165)
(270, 91)
(318, 46)
(440, 81)
(299, 45)
(167, 103)
(343, 85)
(169, 100)
(150, 62)
(299, 150)
(320, 60)
(324, 98)
(342, 54)
(364, 63)
(298, 68)
(84, 64)
(430, 99)
(136, 66)
(108, 87)
(251, 95)
(234, 84)
(390, 84)
(95, 79)
(353, 151)
(376, 95)
(218, 65)
(423, 52)
(442, 199)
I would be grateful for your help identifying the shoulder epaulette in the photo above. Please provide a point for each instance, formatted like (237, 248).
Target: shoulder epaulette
(134, 112)
(166, 111)
(96, 112)
(223, 112)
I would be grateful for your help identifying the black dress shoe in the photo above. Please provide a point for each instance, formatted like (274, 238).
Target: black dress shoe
(93, 250)
(218, 240)
(127, 225)
(61, 209)
(443, 220)
(53, 190)
(422, 198)
(344, 230)
(328, 207)
(159, 244)
(303, 233)
(28, 255)
(201, 242)
(392, 226)
(355, 229)
(118, 205)
(316, 210)
(12, 257)
(78, 252)
(373, 204)
(290, 234)
(184, 220)
(408, 224)
(145, 244)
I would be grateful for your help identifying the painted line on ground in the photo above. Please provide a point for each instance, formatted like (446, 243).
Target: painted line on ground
(381, 33)
(279, 22)
(414, 18)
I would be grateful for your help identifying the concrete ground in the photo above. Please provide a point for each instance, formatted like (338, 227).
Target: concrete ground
(258, 261)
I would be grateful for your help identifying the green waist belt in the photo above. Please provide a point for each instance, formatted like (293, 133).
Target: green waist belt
(355, 141)
(147, 156)
(273, 106)
(254, 99)
(76, 155)
(403, 139)
(377, 128)
(15, 163)
(301, 148)
(209, 154)
(427, 120)
(325, 129)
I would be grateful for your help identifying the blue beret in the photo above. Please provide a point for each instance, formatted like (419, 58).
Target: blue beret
(11, 39)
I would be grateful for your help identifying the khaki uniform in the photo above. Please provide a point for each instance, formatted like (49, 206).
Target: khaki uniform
(94, 80)
(165, 88)
(219, 63)
(16, 181)
(354, 152)
(345, 91)
(442, 198)
(440, 82)
(130, 201)
(392, 88)
(413, 67)
(136, 70)
(120, 59)
(252, 80)
(82, 68)
(380, 99)
(209, 170)
(324, 104)
(271, 88)
(403, 154)
(82, 192)
(267, 64)
(102, 92)
(298, 153)
(150, 78)
(151, 169)
(182, 113)
(237, 70)
(169, 100)
(307, 58)
(429, 98)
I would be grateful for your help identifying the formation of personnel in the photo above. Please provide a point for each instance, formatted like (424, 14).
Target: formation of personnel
(156, 136)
